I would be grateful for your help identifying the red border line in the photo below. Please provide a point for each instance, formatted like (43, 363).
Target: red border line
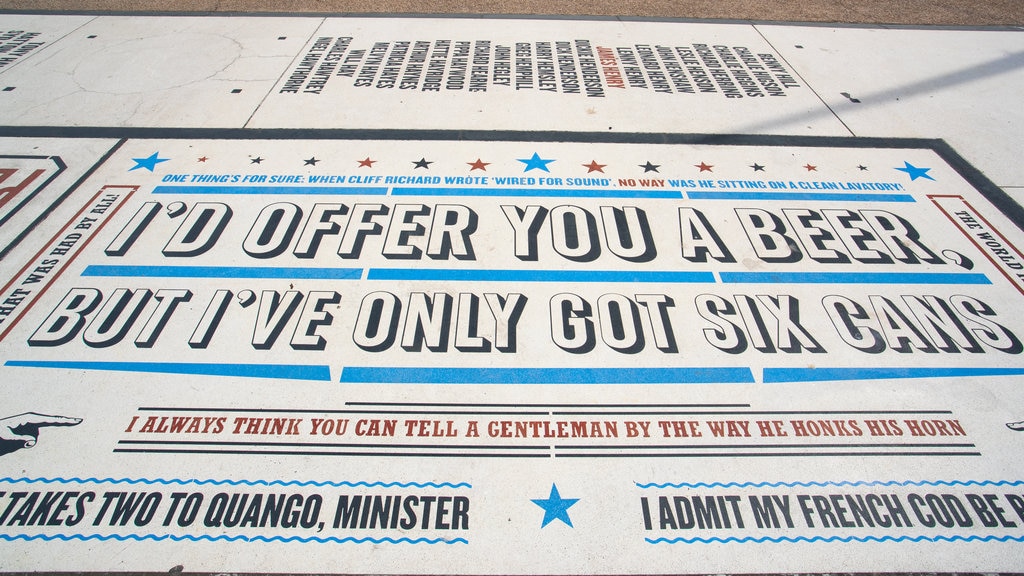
(67, 263)
(982, 249)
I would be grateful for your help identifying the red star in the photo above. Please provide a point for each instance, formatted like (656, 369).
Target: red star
(366, 163)
(811, 168)
(594, 167)
(478, 165)
(203, 159)
(704, 167)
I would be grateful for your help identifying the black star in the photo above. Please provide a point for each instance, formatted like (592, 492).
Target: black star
(256, 160)
(862, 167)
(311, 162)
(422, 163)
(649, 167)
(757, 167)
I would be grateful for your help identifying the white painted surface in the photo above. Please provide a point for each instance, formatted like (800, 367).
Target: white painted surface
(169, 71)
(961, 86)
(369, 98)
(128, 386)
(784, 290)
(37, 174)
(183, 72)
(25, 35)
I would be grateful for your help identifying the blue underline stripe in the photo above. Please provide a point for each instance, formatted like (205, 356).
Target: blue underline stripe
(276, 371)
(840, 197)
(852, 278)
(227, 538)
(255, 190)
(224, 272)
(540, 192)
(777, 375)
(425, 375)
(478, 275)
(844, 539)
(827, 484)
(539, 275)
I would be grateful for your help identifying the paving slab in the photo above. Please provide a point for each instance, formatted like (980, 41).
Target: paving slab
(508, 74)
(917, 83)
(875, 12)
(118, 71)
(322, 294)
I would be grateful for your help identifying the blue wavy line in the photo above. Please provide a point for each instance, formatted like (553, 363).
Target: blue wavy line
(845, 539)
(174, 481)
(157, 538)
(827, 484)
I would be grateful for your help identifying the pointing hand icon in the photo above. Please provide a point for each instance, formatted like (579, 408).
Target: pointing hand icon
(22, 431)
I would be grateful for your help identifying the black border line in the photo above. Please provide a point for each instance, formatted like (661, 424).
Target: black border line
(753, 446)
(178, 571)
(555, 410)
(335, 411)
(986, 187)
(512, 16)
(61, 168)
(151, 132)
(993, 193)
(531, 405)
(544, 447)
(767, 454)
(114, 147)
(395, 453)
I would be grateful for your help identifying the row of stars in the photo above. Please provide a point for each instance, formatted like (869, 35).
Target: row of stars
(479, 164)
(533, 163)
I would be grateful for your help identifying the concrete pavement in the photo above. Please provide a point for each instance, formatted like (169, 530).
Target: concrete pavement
(314, 292)
(906, 12)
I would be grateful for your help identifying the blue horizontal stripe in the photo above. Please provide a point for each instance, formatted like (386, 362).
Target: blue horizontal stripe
(852, 278)
(224, 272)
(777, 375)
(540, 192)
(276, 371)
(840, 197)
(425, 375)
(538, 275)
(254, 190)
(843, 539)
(227, 538)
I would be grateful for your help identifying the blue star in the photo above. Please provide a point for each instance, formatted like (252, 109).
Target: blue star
(148, 163)
(535, 162)
(556, 507)
(915, 172)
